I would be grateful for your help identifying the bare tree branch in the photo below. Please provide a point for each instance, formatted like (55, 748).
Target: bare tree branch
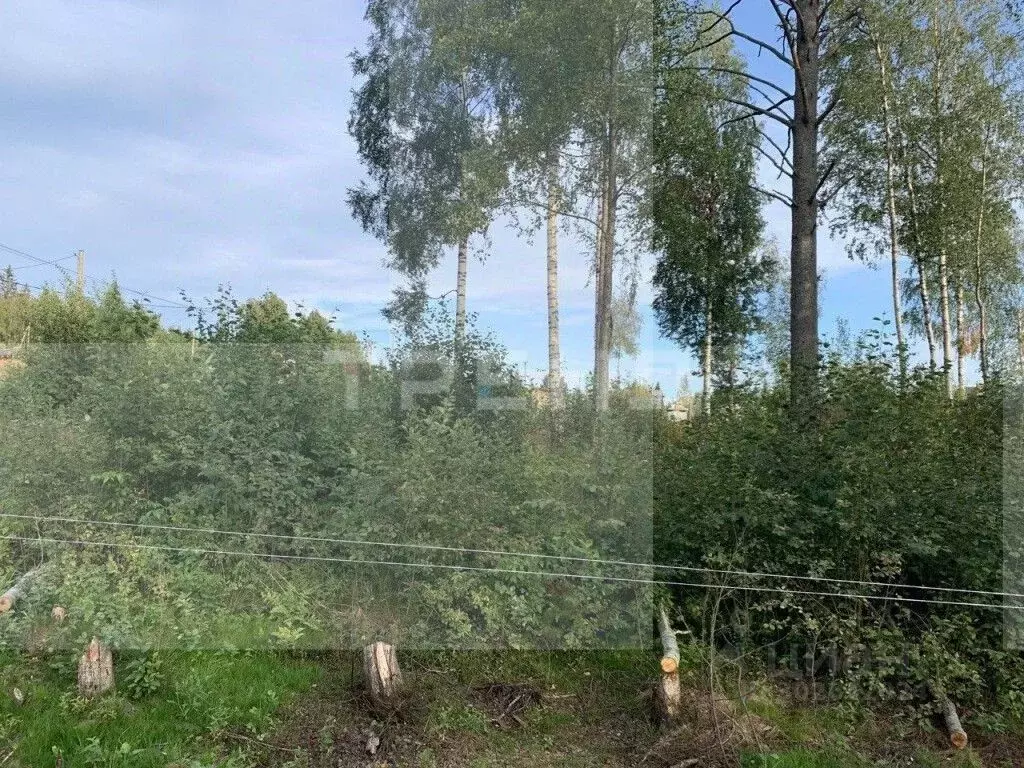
(832, 104)
(824, 178)
(740, 73)
(772, 160)
(761, 44)
(771, 193)
(787, 30)
(783, 153)
(768, 111)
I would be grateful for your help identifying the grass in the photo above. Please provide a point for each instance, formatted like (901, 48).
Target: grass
(804, 758)
(270, 710)
(198, 694)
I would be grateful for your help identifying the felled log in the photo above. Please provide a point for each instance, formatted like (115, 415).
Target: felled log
(669, 645)
(95, 670)
(668, 693)
(957, 734)
(15, 593)
(383, 676)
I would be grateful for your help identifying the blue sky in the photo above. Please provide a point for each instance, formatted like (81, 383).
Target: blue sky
(187, 144)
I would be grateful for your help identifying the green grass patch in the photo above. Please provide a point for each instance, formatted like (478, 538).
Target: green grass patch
(806, 758)
(188, 697)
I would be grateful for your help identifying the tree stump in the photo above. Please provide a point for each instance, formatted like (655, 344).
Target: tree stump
(58, 614)
(668, 694)
(95, 670)
(383, 677)
(668, 698)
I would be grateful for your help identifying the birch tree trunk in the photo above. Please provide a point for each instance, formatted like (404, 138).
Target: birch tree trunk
(1020, 341)
(606, 251)
(937, 116)
(922, 276)
(979, 299)
(460, 294)
(890, 178)
(961, 339)
(556, 395)
(945, 315)
(706, 359)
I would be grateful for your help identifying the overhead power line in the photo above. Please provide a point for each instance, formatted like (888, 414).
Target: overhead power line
(509, 553)
(510, 571)
(53, 263)
(149, 297)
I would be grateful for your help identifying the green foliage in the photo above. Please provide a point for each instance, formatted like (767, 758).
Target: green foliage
(231, 478)
(198, 693)
(707, 212)
(71, 317)
(892, 484)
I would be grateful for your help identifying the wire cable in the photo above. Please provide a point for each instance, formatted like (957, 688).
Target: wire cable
(512, 553)
(512, 571)
(170, 303)
(53, 263)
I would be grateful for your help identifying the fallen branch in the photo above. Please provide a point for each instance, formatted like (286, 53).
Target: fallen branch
(957, 734)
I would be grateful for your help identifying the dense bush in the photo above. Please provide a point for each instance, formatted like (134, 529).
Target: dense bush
(274, 436)
(890, 483)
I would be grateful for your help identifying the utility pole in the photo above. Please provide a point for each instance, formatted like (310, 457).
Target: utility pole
(81, 271)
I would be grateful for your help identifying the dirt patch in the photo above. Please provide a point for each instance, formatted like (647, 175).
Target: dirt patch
(506, 702)
(333, 725)
(998, 750)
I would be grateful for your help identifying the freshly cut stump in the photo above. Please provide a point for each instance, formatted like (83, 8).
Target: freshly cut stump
(95, 670)
(383, 676)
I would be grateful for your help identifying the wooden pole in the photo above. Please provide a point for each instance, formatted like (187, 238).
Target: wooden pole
(80, 258)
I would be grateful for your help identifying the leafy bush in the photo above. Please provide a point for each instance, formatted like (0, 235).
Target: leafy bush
(892, 483)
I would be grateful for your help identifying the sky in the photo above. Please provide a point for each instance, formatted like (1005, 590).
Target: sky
(186, 145)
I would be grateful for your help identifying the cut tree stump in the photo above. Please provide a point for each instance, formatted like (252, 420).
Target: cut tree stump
(383, 676)
(9, 598)
(95, 670)
(668, 695)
